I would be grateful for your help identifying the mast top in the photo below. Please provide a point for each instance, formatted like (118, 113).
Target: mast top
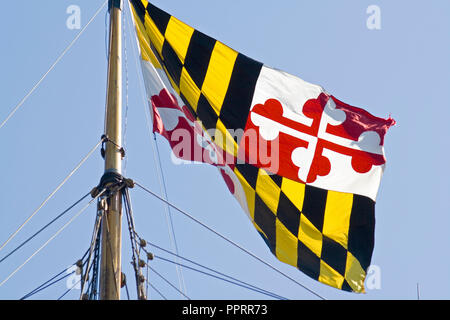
(115, 4)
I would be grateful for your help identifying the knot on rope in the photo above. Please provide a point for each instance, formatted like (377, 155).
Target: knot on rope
(112, 182)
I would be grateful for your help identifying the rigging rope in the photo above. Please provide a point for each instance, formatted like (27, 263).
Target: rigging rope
(44, 227)
(53, 65)
(133, 240)
(68, 290)
(229, 241)
(126, 290)
(94, 239)
(52, 194)
(146, 277)
(168, 282)
(252, 288)
(218, 272)
(88, 270)
(157, 159)
(169, 219)
(46, 285)
(159, 292)
(73, 286)
(93, 288)
(51, 238)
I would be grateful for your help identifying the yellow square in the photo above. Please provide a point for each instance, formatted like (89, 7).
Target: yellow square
(218, 75)
(295, 191)
(144, 42)
(189, 89)
(267, 190)
(354, 274)
(249, 193)
(179, 34)
(286, 245)
(330, 276)
(225, 140)
(310, 236)
(156, 38)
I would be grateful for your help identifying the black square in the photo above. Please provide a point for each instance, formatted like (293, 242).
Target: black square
(265, 219)
(361, 234)
(288, 214)
(159, 17)
(307, 261)
(172, 63)
(206, 113)
(276, 178)
(198, 55)
(140, 9)
(237, 103)
(334, 255)
(346, 287)
(249, 172)
(314, 205)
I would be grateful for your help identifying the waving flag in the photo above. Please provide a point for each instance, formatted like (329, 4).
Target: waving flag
(304, 166)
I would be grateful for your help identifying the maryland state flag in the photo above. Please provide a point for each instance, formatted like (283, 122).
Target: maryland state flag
(304, 166)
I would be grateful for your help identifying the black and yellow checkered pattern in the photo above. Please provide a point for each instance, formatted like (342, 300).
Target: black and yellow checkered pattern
(216, 82)
(328, 235)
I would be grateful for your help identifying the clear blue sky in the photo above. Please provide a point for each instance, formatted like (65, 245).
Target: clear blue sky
(402, 69)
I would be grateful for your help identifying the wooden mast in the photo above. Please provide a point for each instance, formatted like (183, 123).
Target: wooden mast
(111, 242)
